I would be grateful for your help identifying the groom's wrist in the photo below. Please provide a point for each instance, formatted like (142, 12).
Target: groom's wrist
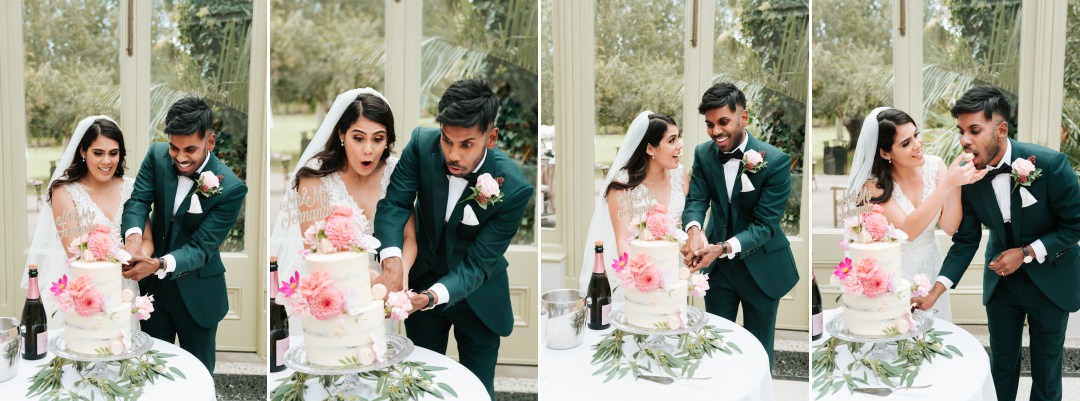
(390, 252)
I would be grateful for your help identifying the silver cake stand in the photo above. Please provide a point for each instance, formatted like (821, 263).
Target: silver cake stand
(882, 347)
(397, 348)
(695, 320)
(140, 343)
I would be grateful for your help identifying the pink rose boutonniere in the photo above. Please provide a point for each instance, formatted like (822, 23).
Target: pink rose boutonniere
(1024, 172)
(754, 161)
(487, 191)
(208, 184)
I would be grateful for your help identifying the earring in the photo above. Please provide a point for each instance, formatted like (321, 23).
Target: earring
(889, 160)
(84, 160)
(342, 142)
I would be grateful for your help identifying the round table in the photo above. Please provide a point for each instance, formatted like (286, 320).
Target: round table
(567, 374)
(465, 383)
(198, 385)
(965, 377)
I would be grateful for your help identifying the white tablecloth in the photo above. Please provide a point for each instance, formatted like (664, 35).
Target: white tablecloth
(198, 385)
(965, 377)
(567, 374)
(465, 383)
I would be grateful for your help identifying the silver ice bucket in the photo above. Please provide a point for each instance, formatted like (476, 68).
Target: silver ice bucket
(563, 315)
(9, 348)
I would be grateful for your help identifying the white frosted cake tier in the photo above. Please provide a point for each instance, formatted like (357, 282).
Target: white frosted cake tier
(887, 255)
(349, 270)
(663, 306)
(100, 333)
(330, 342)
(878, 315)
(106, 277)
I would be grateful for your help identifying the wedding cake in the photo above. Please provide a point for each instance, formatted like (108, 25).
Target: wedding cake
(654, 284)
(342, 314)
(97, 311)
(876, 298)
(658, 300)
(330, 335)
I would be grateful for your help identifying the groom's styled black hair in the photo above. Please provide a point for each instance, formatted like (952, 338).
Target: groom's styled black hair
(723, 94)
(468, 103)
(190, 115)
(987, 99)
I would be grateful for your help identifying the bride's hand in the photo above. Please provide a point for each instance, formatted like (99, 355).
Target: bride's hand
(391, 276)
(958, 174)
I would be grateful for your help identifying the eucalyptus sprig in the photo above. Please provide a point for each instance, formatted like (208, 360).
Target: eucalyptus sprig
(691, 349)
(829, 377)
(134, 373)
(401, 382)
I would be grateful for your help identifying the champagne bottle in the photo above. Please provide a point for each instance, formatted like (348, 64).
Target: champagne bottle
(815, 309)
(35, 327)
(599, 293)
(279, 323)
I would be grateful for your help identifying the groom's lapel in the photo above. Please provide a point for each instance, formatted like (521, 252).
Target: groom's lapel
(986, 196)
(439, 194)
(1015, 203)
(168, 189)
(721, 188)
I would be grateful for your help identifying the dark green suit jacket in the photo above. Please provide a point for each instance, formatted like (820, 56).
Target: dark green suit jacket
(1054, 219)
(193, 239)
(756, 214)
(468, 260)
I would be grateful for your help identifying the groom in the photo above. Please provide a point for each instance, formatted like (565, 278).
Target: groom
(468, 198)
(742, 249)
(1034, 267)
(195, 199)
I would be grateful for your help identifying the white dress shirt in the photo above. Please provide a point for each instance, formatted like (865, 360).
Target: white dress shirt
(1003, 194)
(183, 185)
(456, 187)
(731, 170)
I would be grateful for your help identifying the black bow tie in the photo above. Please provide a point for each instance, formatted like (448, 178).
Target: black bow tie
(724, 157)
(1003, 168)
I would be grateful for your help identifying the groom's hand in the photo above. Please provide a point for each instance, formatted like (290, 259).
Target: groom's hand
(927, 302)
(1008, 262)
(133, 246)
(706, 255)
(391, 275)
(141, 267)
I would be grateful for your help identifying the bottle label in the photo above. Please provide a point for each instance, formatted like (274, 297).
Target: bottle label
(282, 347)
(818, 323)
(606, 311)
(42, 342)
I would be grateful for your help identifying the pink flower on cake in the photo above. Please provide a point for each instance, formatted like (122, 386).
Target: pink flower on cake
(657, 222)
(922, 285)
(289, 287)
(875, 223)
(298, 305)
(366, 357)
(88, 302)
(674, 322)
(620, 264)
(903, 325)
(340, 228)
(842, 269)
(639, 263)
(648, 280)
(78, 287)
(116, 347)
(876, 285)
(327, 303)
(100, 243)
(312, 284)
(59, 286)
(626, 278)
(852, 286)
(699, 284)
(866, 267)
(399, 304)
(144, 306)
(65, 302)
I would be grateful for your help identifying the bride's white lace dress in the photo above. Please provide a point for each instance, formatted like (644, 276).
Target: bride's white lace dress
(85, 205)
(921, 254)
(339, 195)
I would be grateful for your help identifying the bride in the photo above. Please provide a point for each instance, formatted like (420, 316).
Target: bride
(646, 171)
(915, 190)
(348, 163)
(88, 188)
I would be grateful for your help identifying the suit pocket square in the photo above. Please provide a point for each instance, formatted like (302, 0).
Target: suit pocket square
(1026, 199)
(196, 207)
(747, 186)
(469, 217)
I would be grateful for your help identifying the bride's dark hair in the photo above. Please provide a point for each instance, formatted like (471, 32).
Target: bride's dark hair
(333, 157)
(888, 120)
(639, 160)
(78, 169)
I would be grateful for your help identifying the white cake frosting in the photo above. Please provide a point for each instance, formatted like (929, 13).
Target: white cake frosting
(103, 330)
(875, 316)
(329, 342)
(663, 306)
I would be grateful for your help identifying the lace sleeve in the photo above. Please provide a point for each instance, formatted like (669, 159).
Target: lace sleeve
(391, 163)
(930, 174)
